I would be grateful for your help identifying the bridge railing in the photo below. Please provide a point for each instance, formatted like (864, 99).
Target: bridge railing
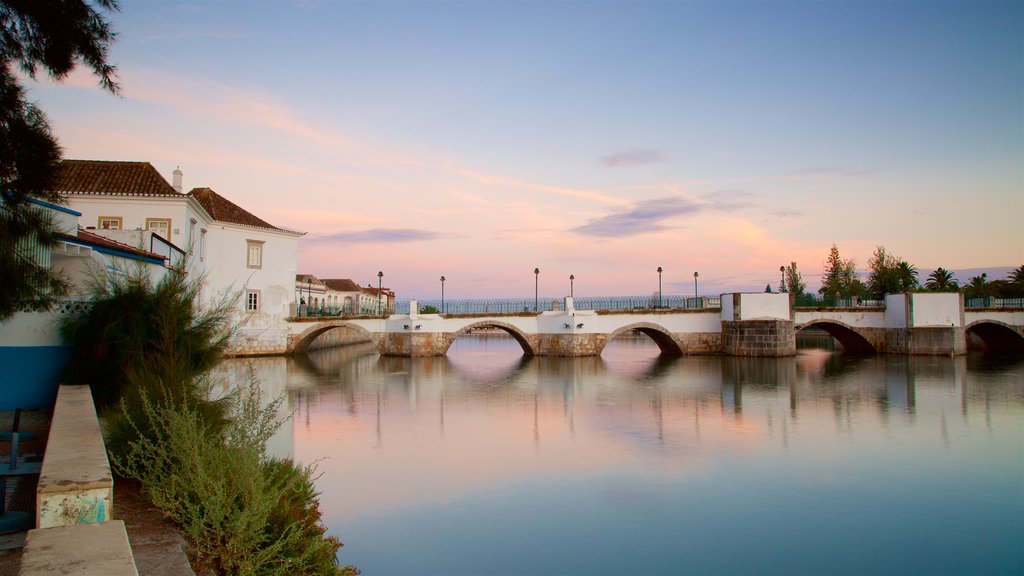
(547, 304)
(818, 301)
(994, 303)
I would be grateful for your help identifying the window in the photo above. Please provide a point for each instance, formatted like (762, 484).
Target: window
(255, 253)
(202, 245)
(109, 223)
(252, 301)
(161, 226)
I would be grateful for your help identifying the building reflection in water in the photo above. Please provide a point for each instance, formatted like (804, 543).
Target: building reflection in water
(630, 391)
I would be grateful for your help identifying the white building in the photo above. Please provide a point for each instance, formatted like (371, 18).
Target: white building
(239, 255)
(32, 352)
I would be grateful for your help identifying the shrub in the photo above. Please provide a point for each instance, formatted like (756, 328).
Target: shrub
(244, 513)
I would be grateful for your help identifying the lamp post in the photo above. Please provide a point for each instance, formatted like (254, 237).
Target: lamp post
(442, 294)
(536, 279)
(571, 278)
(309, 296)
(782, 271)
(380, 278)
(695, 285)
(659, 286)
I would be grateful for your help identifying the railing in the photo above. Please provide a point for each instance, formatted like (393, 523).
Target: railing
(302, 311)
(547, 304)
(994, 303)
(816, 301)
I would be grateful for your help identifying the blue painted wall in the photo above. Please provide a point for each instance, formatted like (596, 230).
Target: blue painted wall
(29, 375)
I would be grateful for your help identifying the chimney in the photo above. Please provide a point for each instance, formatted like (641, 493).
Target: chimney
(177, 179)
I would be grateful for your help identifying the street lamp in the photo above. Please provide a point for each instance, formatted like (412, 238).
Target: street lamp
(442, 294)
(571, 278)
(380, 278)
(309, 296)
(782, 271)
(695, 285)
(536, 279)
(659, 286)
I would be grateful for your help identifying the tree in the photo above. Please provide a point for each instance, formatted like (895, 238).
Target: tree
(840, 277)
(52, 36)
(941, 280)
(884, 275)
(794, 281)
(1017, 276)
(907, 274)
(978, 287)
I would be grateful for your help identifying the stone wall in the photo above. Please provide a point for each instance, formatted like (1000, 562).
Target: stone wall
(700, 342)
(926, 340)
(341, 336)
(571, 344)
(768, 338)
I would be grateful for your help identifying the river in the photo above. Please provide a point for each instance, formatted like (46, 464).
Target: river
(489, 462)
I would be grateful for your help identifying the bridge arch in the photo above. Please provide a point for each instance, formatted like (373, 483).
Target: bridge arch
(528, 342)
(300, 343)
(998, 337)
(852, 339)
(667, 343)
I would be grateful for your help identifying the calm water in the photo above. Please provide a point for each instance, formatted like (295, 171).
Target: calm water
(486, 462)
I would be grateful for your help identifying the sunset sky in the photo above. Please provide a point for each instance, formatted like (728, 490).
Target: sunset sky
(479, 140)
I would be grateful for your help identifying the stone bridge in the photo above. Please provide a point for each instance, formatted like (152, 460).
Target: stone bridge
(755, 324)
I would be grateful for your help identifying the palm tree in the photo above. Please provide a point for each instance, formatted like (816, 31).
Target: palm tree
(978, 286)
(1017, 275)
(907, 274)
(941, 280)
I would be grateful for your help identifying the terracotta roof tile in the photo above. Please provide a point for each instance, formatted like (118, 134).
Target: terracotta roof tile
(341, 285)
(220, 208)
(111, 178)
(91, 239)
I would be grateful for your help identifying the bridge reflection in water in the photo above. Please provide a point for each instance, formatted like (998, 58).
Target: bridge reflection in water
(578, 461)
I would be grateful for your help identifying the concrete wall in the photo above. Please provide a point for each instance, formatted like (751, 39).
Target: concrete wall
(936, 309)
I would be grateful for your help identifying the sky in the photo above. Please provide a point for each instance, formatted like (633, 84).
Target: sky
(482, 140)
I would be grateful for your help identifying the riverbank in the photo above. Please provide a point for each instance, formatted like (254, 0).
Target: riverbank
(158, 548)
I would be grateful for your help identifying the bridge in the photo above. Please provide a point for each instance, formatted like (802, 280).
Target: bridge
(745, 324)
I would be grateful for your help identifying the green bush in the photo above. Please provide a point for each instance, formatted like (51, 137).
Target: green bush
(135, 328)
(244, 513)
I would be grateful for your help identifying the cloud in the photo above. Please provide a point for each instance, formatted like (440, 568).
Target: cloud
(649, 215)
(632, 158)
(643, 217)
(383, 236)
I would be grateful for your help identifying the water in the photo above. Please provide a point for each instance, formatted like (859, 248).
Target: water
(486, 462)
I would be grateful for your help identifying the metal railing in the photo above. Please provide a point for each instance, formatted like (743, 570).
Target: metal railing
(994, 302)
(547, 304)
(817, 301)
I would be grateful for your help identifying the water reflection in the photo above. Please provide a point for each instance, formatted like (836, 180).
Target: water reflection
(581, 462)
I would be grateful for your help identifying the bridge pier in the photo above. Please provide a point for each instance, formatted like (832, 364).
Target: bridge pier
(925, 324)
(758, 325)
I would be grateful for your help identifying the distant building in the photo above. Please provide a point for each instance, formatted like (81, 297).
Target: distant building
(352, 298)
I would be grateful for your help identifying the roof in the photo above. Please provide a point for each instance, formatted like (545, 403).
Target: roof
(341, 285)
(303, 278)
(111, 178)
(97, 241)
(224, 210)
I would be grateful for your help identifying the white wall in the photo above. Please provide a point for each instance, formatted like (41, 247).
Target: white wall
(936, 309)
(762, 305)
(228, 270)
(135, 210)
(896, 310)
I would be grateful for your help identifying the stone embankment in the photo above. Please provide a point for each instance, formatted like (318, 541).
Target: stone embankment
(76, 530)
